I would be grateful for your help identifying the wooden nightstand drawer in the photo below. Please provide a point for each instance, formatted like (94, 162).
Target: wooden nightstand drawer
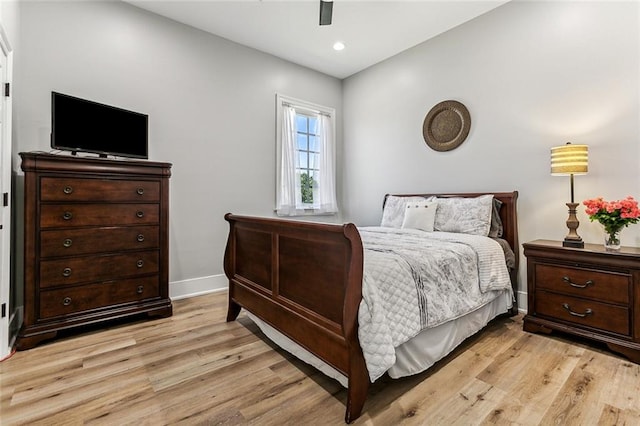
(72, 189)
(54, 303)
(588, 313)
(71, 271)
(70, 215)
(97, 240)
(601, 285)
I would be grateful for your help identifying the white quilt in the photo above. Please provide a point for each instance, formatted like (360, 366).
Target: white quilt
(415, 280)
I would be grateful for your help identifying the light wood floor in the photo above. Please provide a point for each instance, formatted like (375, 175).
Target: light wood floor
(194, 368)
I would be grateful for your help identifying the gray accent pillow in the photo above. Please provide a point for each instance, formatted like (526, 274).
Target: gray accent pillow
(496, 230)
(464, 215)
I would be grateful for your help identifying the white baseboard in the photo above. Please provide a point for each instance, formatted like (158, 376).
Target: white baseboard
(521, 297)
(197, 286)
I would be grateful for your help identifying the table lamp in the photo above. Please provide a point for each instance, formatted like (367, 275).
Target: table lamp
(570, 160)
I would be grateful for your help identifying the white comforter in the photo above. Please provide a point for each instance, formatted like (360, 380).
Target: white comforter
(415, 280)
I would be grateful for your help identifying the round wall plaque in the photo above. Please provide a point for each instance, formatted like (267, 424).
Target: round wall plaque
(446, 126)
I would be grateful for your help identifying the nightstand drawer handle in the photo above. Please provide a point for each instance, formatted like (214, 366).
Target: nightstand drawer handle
(140, 238)
(67, 243)
(572, 284)
(139, 214)
(67, 190)
(140, 263)
(67, 215)
(66, 272)
(140, 191)
(140, 289)
(576, 314)
(66, 301)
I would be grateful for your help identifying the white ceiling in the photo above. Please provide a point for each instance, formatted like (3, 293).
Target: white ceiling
(371, 30)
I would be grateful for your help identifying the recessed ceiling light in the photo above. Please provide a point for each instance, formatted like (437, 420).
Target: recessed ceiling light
(338, 45)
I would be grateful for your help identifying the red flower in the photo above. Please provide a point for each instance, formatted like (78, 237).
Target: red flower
(613, 215)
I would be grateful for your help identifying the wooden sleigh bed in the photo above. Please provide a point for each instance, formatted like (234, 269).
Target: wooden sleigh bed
(305, 280)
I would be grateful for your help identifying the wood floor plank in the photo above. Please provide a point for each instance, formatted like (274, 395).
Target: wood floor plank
(615, 416)
(96, 410)
(194, 368)
(72, 399)
(421, 399)
(244, 383)
(174, 370)
(579, 400)
(474, 401)
(529, 387)
(624, 390)
(282, 404)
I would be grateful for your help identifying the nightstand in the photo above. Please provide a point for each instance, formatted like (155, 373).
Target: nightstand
(588, 292)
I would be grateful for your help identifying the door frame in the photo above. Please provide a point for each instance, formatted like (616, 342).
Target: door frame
(6, 151)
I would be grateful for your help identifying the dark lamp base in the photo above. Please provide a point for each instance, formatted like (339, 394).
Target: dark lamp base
(573, 243)
(572, 239)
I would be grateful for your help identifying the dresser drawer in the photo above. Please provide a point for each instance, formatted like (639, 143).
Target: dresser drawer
(78, 189)
(74, 300)
(69, 271)
(601, 285)
(69, 215)
(589, 313)
(97, 240)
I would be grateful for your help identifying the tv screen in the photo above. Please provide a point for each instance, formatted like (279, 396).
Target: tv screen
(80, 125)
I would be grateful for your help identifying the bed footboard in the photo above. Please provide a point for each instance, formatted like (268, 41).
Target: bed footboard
(305, 280)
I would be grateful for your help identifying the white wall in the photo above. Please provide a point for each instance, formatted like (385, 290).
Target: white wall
(533, 75)
(211, 106)
(9, 16)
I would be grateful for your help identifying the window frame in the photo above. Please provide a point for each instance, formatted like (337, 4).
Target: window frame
(304, 108)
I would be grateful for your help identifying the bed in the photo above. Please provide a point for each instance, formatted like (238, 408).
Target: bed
(302, 283)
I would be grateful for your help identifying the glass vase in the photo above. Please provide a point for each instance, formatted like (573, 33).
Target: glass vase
(612, 240)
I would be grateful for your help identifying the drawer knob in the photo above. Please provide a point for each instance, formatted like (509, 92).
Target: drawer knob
(67, 190)
(67, 215)
(66, 272)
(577, 314)
(140, 289)
(572, 284)
(67, 243)
(140, 191)
(140, 263)
(140, 214)
(140, 238)
(66, 301)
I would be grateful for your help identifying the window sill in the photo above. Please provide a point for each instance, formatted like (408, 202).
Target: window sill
(307, 212)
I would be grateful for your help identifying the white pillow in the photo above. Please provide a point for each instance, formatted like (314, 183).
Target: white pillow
(420, 215)
(393, 212)
(464, 215)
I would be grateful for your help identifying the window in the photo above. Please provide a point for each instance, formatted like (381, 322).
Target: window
(306, 158)
(308, 151)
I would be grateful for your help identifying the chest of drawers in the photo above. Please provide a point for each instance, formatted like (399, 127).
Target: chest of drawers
(95, 240)
(589, 292)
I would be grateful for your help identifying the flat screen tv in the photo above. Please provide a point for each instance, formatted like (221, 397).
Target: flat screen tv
(80, 125)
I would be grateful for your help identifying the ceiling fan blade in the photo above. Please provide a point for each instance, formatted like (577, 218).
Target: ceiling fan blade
(326, 10)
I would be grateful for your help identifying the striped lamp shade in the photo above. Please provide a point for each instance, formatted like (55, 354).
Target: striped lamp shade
(569, 160)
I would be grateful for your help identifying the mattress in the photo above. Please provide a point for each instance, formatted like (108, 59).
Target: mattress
(415, 355)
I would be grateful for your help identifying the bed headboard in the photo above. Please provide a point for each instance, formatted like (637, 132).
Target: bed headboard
(508, 214)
